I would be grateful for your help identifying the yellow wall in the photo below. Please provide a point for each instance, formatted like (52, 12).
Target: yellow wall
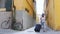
(37, 19)
(19, 4)
(53, 14)
(30, 8)
(31, 3)
(22, 4)
(57, 14)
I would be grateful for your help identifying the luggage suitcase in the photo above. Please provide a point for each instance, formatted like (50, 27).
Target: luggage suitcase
(37, 28)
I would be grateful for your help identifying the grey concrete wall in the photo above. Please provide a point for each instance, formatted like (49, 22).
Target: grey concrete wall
(28, 21)
(2, 3)
(4, 16)
(19, 15)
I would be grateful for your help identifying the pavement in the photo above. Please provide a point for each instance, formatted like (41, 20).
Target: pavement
(7, 31)
(28, 31)
(31, 31)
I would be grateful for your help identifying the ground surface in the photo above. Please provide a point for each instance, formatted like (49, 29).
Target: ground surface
(28, 31)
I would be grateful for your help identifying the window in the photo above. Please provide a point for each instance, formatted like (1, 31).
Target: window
(33, 1)
(27, 10)
(8, 5)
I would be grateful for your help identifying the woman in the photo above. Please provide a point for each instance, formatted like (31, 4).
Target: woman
(43, 23)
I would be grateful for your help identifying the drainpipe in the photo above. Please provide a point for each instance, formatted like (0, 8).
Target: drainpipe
(13, 14)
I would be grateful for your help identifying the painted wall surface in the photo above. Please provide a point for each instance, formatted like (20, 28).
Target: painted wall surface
(27, 16)
(19, 4)
(4, 17)
(53, 14)
(50, 14)
(22, 4)
(2, 3)
(27, 5)
(38, 16)
(31, 3)
(28, 21)
(57, 13)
